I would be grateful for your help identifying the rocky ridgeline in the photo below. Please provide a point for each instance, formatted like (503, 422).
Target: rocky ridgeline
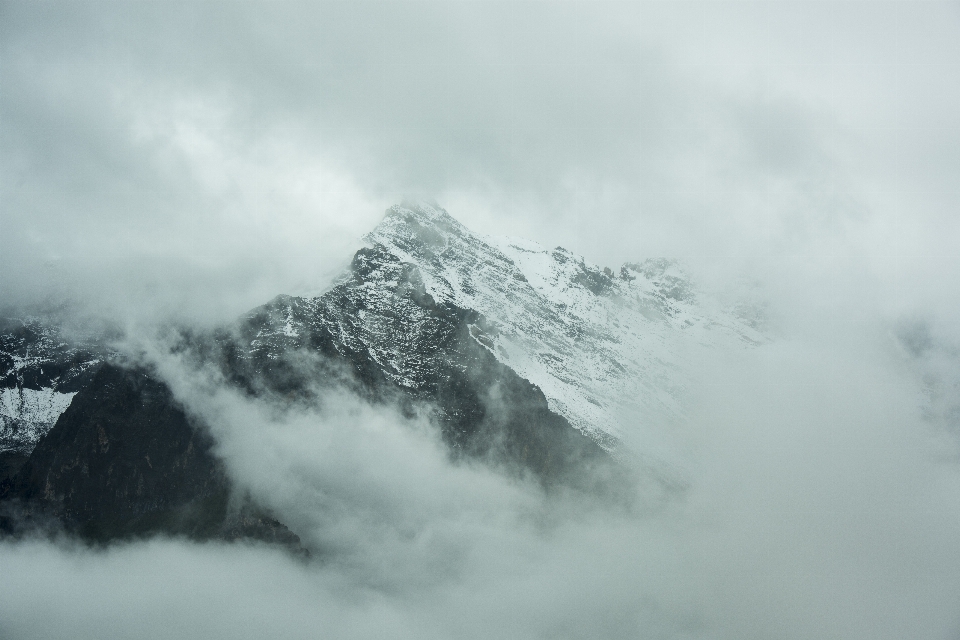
(528, 359)
(42, 367)
(602, 345)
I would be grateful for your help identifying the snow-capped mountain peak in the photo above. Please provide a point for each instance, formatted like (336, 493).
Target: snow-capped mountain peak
(601, 344)
(606, 347)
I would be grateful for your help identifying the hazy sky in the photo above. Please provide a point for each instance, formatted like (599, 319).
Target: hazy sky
(198, 158)
(207, 155)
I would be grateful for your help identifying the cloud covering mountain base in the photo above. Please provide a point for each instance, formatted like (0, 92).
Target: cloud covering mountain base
(817, 506)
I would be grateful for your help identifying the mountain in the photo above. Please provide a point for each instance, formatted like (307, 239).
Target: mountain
(42, 367)
(532, 360)
(602, 345)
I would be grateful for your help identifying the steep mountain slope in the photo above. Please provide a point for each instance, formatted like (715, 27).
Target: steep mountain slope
(378, 332)
(41, 369)
(530, 359)
(603, 347)
(437, 313)
(125, 460)
(125, 448)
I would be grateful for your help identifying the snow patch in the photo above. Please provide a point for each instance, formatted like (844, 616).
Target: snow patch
(26, 415)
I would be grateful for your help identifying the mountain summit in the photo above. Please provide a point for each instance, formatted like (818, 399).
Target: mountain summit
(600, 344)
(530, 359)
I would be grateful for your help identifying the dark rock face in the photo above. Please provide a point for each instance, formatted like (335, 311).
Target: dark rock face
(40, 369)
(393, 342)
(37, 355)
(668, 286)
(10, 463)
(124, 460)
(596, 281)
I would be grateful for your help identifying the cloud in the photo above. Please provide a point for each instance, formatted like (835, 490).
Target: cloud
(817, 507)
(225, 151)
(194, 160)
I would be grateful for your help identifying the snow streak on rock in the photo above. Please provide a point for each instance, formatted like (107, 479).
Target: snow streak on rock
(40, 372)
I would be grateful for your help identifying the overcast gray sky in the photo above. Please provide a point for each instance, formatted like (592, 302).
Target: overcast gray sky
(207, 155)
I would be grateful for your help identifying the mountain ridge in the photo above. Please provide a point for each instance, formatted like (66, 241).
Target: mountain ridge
(532, 360)
(549, 308)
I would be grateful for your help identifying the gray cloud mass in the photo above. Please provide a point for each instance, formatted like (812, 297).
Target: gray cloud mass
(191, 160)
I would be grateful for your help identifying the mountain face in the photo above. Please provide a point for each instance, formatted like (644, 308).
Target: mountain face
(530, 359)
(124, 447)
(601, 345)
(124, 460)
(42, 367)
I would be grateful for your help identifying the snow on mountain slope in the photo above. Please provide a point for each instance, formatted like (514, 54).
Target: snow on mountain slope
(607, 349)
(27, 414)
(612, 352)
(40, 372)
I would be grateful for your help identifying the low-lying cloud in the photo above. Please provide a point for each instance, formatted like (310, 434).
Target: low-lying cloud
(818, 505)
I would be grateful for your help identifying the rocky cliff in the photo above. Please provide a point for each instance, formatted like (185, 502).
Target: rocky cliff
(532, 360)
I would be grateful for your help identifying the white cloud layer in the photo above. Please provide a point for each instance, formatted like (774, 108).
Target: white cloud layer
(820, 504)
(198, 157)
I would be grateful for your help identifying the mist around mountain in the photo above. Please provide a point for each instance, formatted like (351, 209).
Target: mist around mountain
(371, 460)
(525, 364)
(711, 245)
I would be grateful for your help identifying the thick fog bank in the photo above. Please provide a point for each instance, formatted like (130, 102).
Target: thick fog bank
(196, 159)
(820, 503)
